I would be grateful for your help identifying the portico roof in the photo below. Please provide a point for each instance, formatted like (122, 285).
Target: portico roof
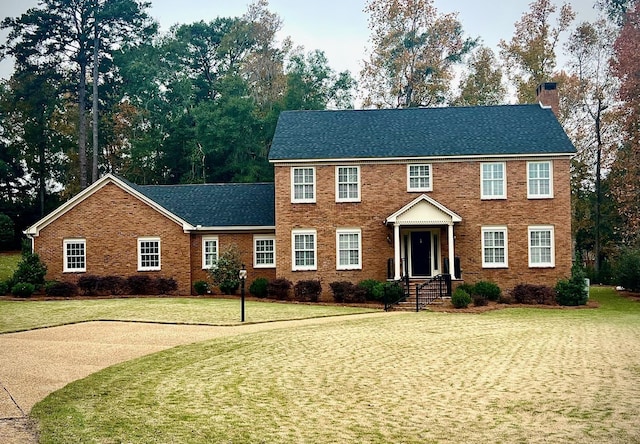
(423, 211)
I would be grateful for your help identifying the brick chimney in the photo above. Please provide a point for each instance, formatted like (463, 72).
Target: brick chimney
(547, 96)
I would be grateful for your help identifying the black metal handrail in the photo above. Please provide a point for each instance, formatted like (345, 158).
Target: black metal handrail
(435, 288)
(389, 299)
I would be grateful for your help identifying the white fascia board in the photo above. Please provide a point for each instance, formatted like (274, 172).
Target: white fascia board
(34, 230)
(454, 217)
(239, 228)
(479, 157)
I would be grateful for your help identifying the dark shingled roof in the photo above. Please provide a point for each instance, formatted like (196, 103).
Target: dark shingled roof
(217, 205)
(419, 132)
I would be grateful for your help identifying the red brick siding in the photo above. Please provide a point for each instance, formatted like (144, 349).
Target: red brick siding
(456, 185)
(111, 220)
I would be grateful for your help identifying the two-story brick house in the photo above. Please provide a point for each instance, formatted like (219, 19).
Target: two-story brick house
(481, 192)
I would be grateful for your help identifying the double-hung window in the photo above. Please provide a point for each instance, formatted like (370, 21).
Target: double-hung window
(347, 184)
(493, 180)
(209, 251)
(304, 243)
(264, 251)
(349, 249)
(303, 185)
(494, 247)
(541, 246)
(539, 180)
(419, 178)
(75, 255)
(148, 254)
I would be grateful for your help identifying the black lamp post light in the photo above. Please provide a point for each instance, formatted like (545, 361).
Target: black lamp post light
(242, 274)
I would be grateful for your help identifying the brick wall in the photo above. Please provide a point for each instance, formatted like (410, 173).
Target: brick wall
(111, 220)
(456, 185)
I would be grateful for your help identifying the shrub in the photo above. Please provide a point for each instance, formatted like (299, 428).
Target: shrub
(392, 292)
(488, 290)
(30, 270)
(112, 285)
(374, 290)
(505, 299)
(165, 285)
(224, 273)
(200, 287)
(460, 299)
(60, 289)
(4, 288)
(23, 289)
(572, 291)
(307, 291)
(533, 294)
(346, 292)
(140, 284)
(279, 288)
(479, 300)
(259, 287)
(469, 288)
(628, 270)
(89, 284)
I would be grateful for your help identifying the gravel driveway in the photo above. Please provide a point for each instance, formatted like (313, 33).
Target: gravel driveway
(38, 362)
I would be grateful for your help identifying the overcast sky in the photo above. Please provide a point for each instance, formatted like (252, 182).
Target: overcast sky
(337, 27)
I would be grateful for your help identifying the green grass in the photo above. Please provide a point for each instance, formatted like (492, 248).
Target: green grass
(26, 315)
(517, 375)
(8, 264)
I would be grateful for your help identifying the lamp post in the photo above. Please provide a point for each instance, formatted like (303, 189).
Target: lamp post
(242, 274)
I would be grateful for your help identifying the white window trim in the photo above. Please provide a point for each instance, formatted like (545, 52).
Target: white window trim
(293, 195)
(357, 231)
(419, 189)
(530, 195)
(295, 267)
(257, 238)
(206, 239)
(149, 239)
(483, 196)
(65, 264)
(493, 229)
(347, 199)
(549, 228)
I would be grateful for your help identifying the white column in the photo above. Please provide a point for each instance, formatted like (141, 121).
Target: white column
(396, 250)
(452, 252)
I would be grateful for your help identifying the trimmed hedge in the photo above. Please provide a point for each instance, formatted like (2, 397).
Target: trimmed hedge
(279, 288)
(23, 289)
(307, 291)
(259, 287)
(533, 294)
(460, 299)
(60, 289)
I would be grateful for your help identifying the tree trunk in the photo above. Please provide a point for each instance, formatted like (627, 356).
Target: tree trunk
(597, 247)
(96, 73)
(82, 124)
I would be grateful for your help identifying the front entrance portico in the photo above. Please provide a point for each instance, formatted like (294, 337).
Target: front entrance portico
(417, 243)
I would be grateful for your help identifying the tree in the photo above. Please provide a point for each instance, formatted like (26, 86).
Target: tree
(482, 83)
(414, 50)
(62, 34)
(530, 56)
(590, 47)
(626, 169)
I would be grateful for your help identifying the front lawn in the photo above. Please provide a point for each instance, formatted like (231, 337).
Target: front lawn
(26, 315)
(8, 264)
(515, 375)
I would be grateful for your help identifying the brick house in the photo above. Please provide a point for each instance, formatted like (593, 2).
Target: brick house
(481, 193)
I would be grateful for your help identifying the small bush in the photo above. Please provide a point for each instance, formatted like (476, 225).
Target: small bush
(4, 288)
(628, 270)
(505, 299)
(89, 284)
(533, 294)
(60, 289)
(469, 288)
(279, 288)
(572, 291)
(479, 300)
(348, 293)
(165, 285)
(200, 287)
(259, 287)
(140, 284)
(488, 290)
(30, 270)
(114, 285)
(374, 290)
(307, 291)
(460, 299)
(23, 289)
(393, 292)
